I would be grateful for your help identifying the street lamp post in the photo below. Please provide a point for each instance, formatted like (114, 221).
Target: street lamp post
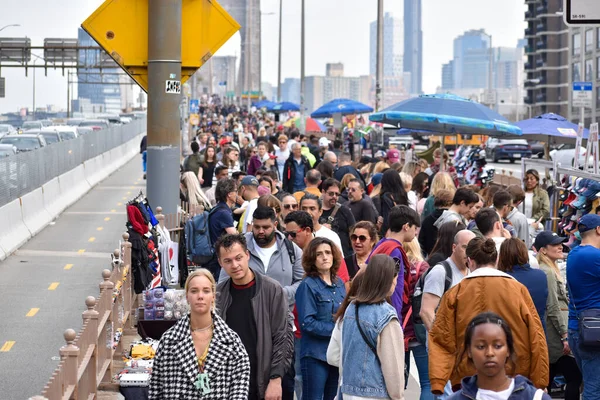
(8, 26)
(379, 57)
(33, 113)
(279, 56)
(302, 67)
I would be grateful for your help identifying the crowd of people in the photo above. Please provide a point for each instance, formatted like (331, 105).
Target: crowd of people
(329, 272)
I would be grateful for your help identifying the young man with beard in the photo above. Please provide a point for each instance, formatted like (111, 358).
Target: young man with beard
(256, 308)
(336, 216)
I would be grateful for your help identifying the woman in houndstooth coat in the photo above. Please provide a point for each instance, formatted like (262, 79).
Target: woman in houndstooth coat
(200, 357)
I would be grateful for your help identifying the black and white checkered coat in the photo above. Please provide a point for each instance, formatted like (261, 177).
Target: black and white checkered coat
(176, 365)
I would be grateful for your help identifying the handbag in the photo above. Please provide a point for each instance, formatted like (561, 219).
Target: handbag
(589, 324)
(362, 333)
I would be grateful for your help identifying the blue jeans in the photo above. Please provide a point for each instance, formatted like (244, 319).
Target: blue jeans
(588, 361)
(144, 161)
(422, 360)
(319, 379)
(298, 377)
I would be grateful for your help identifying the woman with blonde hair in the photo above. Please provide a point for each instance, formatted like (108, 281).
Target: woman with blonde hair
(344, 185)
(407, 181)
(415, 335)
(200, 344)
(441, 180)
(380, 167)
(412, 168)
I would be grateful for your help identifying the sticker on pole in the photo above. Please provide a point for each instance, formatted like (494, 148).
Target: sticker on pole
(173, 87)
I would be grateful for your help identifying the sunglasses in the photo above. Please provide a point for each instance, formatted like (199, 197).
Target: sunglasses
(361, 238)
(292, 206)
(290, 234)
(332, 194)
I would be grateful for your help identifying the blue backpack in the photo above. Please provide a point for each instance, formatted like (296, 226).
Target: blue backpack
(199, 247)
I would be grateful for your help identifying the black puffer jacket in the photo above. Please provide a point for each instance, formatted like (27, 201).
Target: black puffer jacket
(428, 233)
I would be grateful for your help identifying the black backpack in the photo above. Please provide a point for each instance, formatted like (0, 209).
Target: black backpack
(417, 297)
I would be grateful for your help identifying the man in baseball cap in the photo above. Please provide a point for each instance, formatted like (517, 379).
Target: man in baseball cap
(583, 280)
(393, 156)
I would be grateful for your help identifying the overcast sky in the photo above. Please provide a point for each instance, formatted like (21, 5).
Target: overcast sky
(336, 31)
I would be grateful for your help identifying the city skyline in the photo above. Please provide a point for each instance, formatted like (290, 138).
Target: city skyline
(347, 33)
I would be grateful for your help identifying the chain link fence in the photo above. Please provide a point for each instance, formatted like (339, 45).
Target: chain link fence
(23, 172)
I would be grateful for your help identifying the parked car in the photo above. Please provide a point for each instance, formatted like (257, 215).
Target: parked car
(74, 121)
(46, 122)
(65, 132)
(507, 149)
(565, 155)
(51, 136)
(25, 142)
(7, 150)
(96, 124)
(84, 130)
(537, 148)
(30, 125)
(6, 129)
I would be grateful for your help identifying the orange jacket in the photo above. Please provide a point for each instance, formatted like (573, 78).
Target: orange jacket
(486, 289)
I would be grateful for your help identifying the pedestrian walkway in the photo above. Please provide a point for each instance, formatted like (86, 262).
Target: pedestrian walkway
(45, 283)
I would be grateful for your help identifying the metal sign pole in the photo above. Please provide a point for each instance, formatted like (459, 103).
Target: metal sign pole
(164, 99)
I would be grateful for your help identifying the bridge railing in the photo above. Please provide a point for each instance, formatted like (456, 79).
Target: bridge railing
(87, 357)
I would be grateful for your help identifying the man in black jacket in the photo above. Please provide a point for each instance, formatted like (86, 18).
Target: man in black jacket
(256, 308)
(294, 170)
(345, 167)
(429, 232)
(343, 219)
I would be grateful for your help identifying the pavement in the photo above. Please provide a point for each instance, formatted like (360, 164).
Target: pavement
(45, 283)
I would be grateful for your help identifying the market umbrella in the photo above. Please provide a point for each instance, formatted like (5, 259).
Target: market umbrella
(553, 128)
(264, 103)
(446, 114)
(312, 125)
(341, 106)
(284, 106)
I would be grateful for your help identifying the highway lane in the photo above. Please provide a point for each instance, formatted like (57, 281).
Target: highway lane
(45, 283)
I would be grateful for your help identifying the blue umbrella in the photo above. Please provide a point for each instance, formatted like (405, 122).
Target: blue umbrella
(551, 128)
(341, 106)
(446, 114)
(284, 106)
(264, 103)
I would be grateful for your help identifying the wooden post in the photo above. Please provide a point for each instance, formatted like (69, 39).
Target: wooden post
(106, 307)
(128, 292)
(91, 316)
(160, 217)
(69, 354)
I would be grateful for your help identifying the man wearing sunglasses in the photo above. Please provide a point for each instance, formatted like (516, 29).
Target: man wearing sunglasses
(336, 216)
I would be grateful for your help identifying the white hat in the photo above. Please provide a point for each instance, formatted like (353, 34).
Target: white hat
(324, 142)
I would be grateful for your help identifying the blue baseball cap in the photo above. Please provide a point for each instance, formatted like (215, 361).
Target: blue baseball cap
(588, 222)
(249, 180)
(592, 189)
(376, 179)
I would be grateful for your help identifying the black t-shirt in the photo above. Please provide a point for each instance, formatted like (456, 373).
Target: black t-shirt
(342, 222)
(240, 318)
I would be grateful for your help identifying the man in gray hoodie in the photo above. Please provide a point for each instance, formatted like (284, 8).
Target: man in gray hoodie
(462, 202)
(516, 217)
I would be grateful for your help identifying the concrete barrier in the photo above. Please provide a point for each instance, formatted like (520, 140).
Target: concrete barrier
(52, 201)
(25, 217)
(35, 215)
(14, 233)
(73, 185)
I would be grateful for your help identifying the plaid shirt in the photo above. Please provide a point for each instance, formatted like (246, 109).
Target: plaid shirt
(176, 365)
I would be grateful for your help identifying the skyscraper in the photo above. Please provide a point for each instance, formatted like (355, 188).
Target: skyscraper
(413, 45)
(104, 98)
(393, 46)
(471, 60)
(448, 75)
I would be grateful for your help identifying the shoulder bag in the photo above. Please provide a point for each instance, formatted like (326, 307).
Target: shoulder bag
(589, 324)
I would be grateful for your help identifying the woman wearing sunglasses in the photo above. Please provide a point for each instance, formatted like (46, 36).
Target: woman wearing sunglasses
(363, 236)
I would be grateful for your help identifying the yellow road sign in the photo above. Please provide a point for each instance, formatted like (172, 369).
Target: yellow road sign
(120, 27)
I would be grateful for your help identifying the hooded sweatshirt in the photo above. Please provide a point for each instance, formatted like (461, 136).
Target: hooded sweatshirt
(449, 216)
(519, 222)
(428, 233)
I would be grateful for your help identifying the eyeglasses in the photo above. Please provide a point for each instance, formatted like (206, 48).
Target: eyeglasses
(333, 194)
(292, 206)
(291, 234)
(353, 189)
(361, 238)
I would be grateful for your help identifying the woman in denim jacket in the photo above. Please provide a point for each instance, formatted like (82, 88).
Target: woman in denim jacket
(489, 345)
(317, 300)
(367, 343)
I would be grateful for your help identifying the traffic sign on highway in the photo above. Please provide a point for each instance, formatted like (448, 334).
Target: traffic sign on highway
(582, 94)
(581, 12)
(120, 27)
